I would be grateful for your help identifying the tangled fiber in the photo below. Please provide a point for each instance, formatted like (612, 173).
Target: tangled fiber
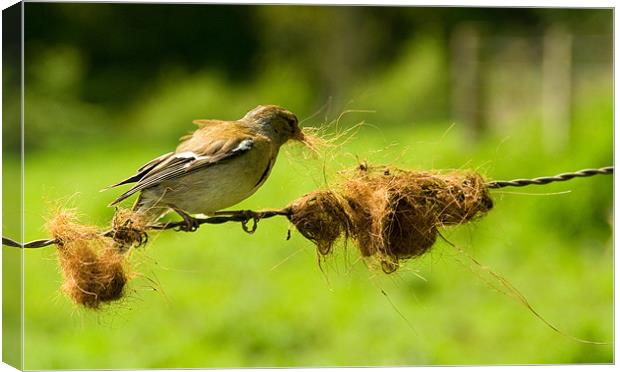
(391, 215)
(92, 266)
(321, 218)
(128, 229)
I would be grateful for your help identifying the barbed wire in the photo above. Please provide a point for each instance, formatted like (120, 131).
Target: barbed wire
(246, 216)
(243, 216)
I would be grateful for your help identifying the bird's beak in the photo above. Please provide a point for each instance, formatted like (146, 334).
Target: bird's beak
(299, 136)
(309, 139)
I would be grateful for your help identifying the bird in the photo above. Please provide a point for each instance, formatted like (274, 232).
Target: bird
(217, 166)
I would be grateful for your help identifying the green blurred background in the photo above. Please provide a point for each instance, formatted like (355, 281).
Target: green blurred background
(509, 92)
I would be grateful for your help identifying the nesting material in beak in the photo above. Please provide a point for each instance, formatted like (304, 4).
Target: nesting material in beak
(311, 139)
(299, 136)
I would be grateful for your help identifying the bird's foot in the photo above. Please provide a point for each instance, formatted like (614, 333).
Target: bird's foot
(244, 216)
(190, 223)
(247, 216)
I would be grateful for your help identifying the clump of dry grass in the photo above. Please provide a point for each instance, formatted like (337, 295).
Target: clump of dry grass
(321, 218)
(391, 215)
(94, 270)
(128, 229)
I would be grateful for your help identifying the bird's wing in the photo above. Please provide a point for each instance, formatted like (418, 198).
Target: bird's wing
(142, 171)
(182, 162)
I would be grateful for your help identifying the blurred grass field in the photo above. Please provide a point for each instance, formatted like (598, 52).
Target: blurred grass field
(222, 298)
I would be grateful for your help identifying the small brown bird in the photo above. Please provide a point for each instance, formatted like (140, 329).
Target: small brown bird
(217, 166)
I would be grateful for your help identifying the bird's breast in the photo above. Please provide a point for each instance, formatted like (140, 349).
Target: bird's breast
(223, 185)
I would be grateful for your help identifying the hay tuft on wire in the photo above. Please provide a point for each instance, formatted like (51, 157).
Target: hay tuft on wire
(128, 229)
(391, 215)
(93, 268)
(321, 218)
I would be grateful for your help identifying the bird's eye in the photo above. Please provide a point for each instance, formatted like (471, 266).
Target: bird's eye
(292, 122)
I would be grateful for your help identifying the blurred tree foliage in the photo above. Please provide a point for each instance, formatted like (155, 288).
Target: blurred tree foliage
(124, 45)
(100, 62)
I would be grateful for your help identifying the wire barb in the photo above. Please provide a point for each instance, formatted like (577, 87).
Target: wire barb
(545, 180)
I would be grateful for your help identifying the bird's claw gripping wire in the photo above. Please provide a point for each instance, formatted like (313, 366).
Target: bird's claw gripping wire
(244, 216)
(190, 223)
(255, 218)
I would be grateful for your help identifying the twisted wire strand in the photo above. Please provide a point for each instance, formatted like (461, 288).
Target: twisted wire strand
(242, 216)
(545, 180)
(33, 244)
(246, 216)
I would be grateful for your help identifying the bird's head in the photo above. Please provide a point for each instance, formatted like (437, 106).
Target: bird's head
(277, 123)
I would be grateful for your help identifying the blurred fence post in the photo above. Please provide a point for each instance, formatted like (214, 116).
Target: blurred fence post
(556, 88)
(466, 78)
